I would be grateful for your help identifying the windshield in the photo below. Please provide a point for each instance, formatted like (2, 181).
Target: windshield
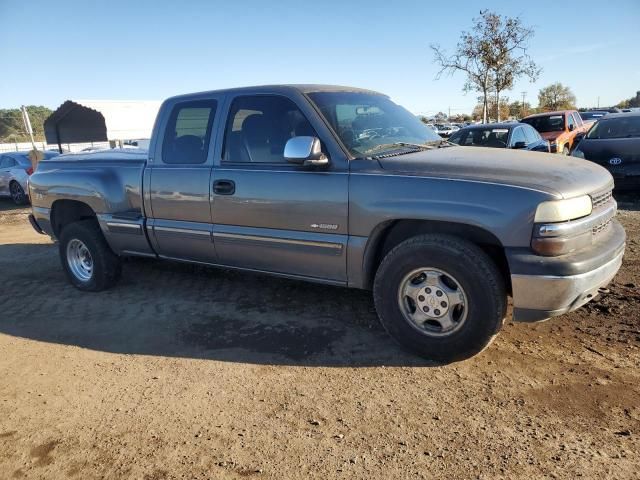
(549, 123)
(368, 123)
(621, 127)
(592, 115)
(481, 137)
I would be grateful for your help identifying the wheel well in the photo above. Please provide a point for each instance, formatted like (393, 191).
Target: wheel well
(390, 234)
(64, 212)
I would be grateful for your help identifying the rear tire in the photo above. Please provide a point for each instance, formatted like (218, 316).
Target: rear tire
(87, 259)
(438, 274)
(17, 193)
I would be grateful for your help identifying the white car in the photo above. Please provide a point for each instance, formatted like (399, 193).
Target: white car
(15, 169)
(444, 130)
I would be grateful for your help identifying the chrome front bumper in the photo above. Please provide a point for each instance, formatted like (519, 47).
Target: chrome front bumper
(538, 297)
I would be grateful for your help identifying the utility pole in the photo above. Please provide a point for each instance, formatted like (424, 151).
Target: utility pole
(27, 124)
(449, 116)
(598, 102)
(524, 94)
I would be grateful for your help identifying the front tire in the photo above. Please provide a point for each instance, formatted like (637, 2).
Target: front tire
(566, 150)
(440, 296)
(87, 259)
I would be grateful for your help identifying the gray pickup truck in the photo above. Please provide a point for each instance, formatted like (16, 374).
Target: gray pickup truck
(342, 186)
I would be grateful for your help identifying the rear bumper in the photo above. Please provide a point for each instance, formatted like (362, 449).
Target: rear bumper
(625, 176)
(538, 296)
(627, 182)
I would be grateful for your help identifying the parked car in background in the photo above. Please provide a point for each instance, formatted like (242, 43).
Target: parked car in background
(614, 143)
(560, 128)
(444, 130)
(15, 169)
(137, 143)
(501, 135)
(592, 116)
(279, 179)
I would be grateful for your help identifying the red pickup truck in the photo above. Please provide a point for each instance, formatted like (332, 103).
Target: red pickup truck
(563, 129)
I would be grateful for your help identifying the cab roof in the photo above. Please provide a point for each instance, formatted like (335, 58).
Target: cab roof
(547, 114)
(303, 88)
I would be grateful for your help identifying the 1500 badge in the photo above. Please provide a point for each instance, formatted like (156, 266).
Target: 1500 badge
(325, 226)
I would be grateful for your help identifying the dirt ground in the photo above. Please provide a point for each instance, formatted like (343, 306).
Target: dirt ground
(188, 372)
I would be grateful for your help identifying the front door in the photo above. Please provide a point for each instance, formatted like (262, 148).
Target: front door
(271, 215)
(180, 183)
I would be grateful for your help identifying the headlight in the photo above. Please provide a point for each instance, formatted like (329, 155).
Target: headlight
(578, 153)
(563, 210)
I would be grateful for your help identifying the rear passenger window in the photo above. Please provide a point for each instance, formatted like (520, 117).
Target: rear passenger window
(186, 138)
(259, 126)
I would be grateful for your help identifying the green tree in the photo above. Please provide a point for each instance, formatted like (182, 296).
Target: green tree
(492, 112)
(12, 128)
(632, 102)
(518, 110)
(556, 97)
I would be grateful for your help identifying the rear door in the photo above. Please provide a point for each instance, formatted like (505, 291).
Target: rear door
(271, 215)
(180, 179)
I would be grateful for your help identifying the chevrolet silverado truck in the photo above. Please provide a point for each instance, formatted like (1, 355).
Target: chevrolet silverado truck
(341, 186)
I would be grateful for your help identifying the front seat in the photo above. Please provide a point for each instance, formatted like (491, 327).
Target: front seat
(255, 139)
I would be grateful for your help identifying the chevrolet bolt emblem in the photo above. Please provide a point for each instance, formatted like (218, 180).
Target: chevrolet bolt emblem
(325, 226)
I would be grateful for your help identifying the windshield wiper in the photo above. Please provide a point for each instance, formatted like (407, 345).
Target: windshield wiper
(413, 146)
(408, 148)
(442, 143)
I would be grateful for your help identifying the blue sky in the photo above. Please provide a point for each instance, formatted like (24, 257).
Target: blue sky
(57, 50)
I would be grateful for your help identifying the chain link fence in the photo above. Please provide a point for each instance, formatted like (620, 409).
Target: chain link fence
(66, 147)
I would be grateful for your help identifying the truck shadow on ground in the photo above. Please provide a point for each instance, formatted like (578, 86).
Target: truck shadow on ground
(179, 310)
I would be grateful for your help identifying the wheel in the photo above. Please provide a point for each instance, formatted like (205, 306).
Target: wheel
(17, 193)
(88, 262)
(440, 296)
(565, 150)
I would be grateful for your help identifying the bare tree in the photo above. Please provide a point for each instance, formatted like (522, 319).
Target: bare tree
(493, 55)
(507, 53)
(468, 58)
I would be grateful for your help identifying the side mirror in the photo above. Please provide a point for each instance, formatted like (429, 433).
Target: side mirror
(571, 128)
(305, 151)
(519, 145)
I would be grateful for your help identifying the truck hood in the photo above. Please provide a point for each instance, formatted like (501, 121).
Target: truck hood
(557, 175)
(550, 135)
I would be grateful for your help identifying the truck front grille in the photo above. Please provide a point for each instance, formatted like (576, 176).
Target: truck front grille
(601, 198)
(600, 228)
